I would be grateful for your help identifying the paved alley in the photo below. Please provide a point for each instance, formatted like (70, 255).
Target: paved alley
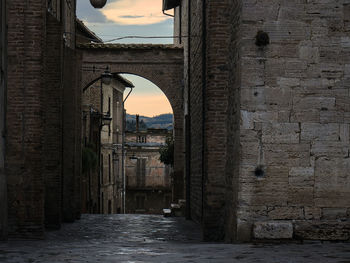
(148, 238)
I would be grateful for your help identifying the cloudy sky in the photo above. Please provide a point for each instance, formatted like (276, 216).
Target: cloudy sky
(120, 18)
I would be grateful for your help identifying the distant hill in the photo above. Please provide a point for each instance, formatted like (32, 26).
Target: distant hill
(163, 121)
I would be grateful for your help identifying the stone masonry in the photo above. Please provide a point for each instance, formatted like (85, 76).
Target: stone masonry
(269, 123)
(294, 107)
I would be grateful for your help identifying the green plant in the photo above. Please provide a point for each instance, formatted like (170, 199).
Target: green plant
(167, 152)
(89, 159)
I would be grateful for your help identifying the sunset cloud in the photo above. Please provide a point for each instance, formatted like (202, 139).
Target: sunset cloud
(134, 12)
(148, 105)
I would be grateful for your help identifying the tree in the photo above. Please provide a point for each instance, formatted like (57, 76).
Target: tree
(167, 152)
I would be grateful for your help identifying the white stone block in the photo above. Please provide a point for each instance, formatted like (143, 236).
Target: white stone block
(273, 230)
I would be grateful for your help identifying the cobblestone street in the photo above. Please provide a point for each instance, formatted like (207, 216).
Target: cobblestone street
(144, 238)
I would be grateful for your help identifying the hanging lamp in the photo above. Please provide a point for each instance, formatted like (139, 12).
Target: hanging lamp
(98, 3)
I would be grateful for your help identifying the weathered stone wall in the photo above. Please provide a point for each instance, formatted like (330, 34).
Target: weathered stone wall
(295, 116)
(277, 116)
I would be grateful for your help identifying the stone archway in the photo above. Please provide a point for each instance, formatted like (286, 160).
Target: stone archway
(160, 64)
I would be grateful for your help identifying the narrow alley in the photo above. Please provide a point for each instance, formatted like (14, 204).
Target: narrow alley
(153, 238)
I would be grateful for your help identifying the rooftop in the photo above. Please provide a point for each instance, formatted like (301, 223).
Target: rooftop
(127, 46)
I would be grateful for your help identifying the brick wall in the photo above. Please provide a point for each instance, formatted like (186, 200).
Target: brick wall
(3, 70)
(71, 138)
(212, 94)
(233, 120)
(26, 38)
(52, 142)
(196, 103)
(36, 89)
(160, 64)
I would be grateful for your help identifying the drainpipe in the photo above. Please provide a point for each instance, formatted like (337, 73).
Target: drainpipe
(188, 118)
(123, 151)
(3, 95)
(204, 85)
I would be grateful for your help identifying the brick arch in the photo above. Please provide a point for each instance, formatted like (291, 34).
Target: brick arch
(160, 64)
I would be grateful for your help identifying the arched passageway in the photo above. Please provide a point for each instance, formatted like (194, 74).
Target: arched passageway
(160, 64)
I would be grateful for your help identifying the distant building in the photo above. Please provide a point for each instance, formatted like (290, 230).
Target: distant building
(102, 187)
(148, 181)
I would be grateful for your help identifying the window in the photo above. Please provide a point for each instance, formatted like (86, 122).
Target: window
(141, 172)
(141, 139)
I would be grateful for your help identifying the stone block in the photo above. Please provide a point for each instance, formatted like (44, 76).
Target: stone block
(280, 132)
(301, 176)
(283, 213)
(266, 98)
(332, 182)
(319, 132)
(252, 212)
(248, 118)
(344, 133)
(310, 115)
(248, 135)
(313, 103)
(312, 213)
(287, 31)
(273, 230)
(330, 149)
(346, 117)
(300, 196)
(334, 213)
(308, 52)
(288, 82)
(250, 152)
(331, 70)
(343, 103)
(322, 230)
(289, 155)
(331, 117)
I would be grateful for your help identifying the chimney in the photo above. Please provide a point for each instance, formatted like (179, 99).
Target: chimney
(137, 122)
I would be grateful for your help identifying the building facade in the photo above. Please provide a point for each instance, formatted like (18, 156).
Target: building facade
(42, 164)
(103, 137)
(266, 109)
(148, 180)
